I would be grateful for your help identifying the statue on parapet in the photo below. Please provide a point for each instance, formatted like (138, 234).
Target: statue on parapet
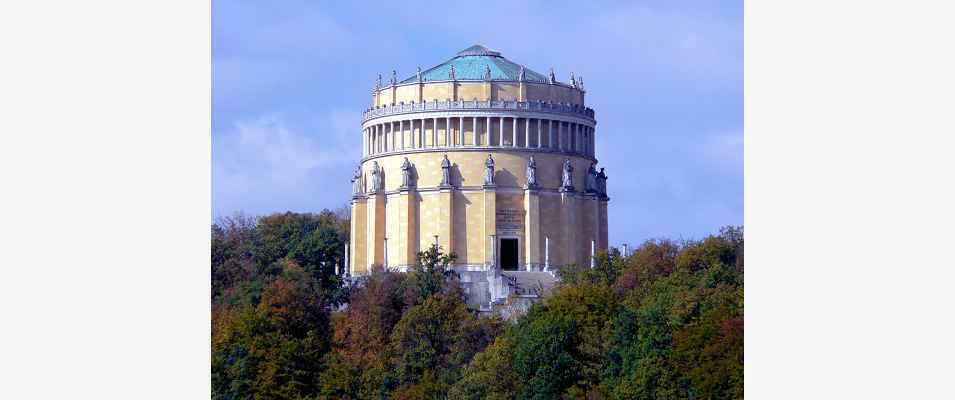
(376, 181)
(357, 181)
(567, 177)
(531, 173)
(406, 174)
(590, 185)
(489, 171)
(445, 172)
(602, 182)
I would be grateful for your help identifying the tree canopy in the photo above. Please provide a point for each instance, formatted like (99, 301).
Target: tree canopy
(663, 322)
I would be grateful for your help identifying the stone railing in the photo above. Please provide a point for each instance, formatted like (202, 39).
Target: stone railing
(477, 105)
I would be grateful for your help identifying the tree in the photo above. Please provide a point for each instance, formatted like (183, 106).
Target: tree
(432, 274)
(274, 349)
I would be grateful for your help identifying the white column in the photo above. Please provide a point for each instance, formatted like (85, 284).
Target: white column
(460, 131)
(560, 134)
(514, 133)
(546, 253)
(493, 247)
(488, 127)
(390, 137)
(527, 132)
(593, 254)
(580, 138)
(539, 133)
(473, 131)
(576, 133)
(550, 134)
(386, 253)
(501, 133)
(447, 133)
(402, 134)
(434, 133)
(347, 264)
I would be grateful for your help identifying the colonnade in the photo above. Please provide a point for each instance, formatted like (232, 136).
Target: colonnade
(478, 131)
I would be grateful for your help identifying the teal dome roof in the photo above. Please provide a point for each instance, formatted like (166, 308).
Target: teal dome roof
(472, 63)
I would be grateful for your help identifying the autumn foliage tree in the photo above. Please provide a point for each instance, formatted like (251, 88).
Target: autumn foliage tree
(663, 322)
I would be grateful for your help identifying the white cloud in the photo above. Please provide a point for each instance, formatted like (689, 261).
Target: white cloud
(262, 160)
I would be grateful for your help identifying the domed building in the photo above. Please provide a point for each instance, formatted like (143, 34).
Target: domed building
(487, 158)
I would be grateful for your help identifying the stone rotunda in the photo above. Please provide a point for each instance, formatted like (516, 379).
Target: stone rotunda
(490, 160)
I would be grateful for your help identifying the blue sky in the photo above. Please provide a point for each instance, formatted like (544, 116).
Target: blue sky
(290, 80)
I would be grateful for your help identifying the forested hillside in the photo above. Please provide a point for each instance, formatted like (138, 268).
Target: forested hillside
(665, 322)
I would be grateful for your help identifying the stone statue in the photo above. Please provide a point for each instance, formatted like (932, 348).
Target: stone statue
(487, 72)
(394, 78)
(573, 79)
(531, 173)
(419, 74)
(553, 79)
(489, 171)
(567, 177)
(520, 75)
(451, 73)
(356, 181)
(445, 171)
(376, 181)
(602, 182)
(590, 185)
(406, 173)
(378, 82)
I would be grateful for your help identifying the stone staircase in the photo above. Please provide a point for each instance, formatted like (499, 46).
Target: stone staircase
(515, 291)
(534, 284)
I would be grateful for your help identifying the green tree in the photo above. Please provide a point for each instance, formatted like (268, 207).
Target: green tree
(273, 349)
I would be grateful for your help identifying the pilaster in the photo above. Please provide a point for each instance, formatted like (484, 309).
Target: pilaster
(376, 229)
(532, 229)
(603, 240)
(569, 227)
(357, 251)
(490, 223)
(446, 219)
(407, 228)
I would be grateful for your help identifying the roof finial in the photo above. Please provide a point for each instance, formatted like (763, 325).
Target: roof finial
(553, 79)
(580, 82)
(573, 80)
(487, 72)
(394, 77)
(419, 74)
(451, 73)
(378, 82)
(520, 76)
